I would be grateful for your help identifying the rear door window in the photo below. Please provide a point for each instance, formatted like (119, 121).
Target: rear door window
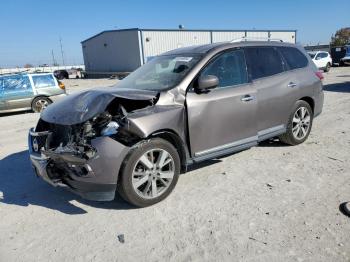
(42, 81)
(15, 83)
(263, 61)
(294, 58)
(229, 68)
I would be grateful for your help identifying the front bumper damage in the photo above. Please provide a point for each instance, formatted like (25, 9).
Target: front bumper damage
(93, 177)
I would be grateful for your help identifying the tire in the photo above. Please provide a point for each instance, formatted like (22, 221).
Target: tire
(327, 68)
(40, 103)
(136, 182)
(296, 138)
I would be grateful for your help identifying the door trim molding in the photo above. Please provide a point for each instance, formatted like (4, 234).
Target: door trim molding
(271, 132)
(225, 149)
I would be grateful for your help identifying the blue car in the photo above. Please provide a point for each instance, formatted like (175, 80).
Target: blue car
(19, 92)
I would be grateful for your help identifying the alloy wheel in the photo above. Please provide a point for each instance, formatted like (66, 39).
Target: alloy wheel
(40, 105)
(153, 173)
(301, 123)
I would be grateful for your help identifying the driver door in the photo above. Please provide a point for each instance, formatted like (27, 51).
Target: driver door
(223, 119)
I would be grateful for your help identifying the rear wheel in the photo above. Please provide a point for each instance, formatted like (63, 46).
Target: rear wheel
(327, 68)
(299, 124)
(150, 173)
(40, 103)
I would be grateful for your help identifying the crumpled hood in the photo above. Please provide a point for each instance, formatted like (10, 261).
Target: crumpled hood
(79, 107)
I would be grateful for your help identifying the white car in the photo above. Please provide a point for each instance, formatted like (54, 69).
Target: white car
(322, 60)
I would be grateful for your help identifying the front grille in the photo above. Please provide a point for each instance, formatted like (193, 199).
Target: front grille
(59, 134)
(39, 140)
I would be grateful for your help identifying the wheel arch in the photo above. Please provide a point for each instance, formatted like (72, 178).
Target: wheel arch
(37, 96)
(173, 138)
(310, 101)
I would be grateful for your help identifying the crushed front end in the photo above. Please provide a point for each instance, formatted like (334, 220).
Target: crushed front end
(84, 158)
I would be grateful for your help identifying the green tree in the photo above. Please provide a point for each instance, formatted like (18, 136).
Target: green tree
(341, 37)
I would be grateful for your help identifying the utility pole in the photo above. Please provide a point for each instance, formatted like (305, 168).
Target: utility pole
(62, 51)
(53, 58)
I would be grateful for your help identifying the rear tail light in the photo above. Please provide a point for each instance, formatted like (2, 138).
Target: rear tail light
(319, 75)
(61, 85)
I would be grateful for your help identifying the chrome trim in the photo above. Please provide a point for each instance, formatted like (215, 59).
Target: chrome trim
(42, 133)
(247, 98)
(226, 146)
(291, 84)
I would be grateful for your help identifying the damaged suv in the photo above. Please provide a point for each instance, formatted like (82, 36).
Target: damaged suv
(185, 106)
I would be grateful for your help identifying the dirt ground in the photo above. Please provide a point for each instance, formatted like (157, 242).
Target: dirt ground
(268, 203)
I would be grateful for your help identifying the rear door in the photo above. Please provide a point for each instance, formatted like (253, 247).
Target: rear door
(223, 118)
(275, 89)
(17, 91)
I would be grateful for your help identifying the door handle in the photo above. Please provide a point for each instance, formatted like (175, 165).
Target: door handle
(247, 98)
(292, 84)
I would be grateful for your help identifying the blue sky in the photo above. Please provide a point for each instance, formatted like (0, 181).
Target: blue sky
(31, 29)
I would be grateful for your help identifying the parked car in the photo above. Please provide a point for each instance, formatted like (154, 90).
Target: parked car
(346, 59)
(322, 60)
(20, 92)
(182, 107)
(61, 74)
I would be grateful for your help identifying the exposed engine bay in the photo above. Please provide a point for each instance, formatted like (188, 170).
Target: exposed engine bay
(73, 142)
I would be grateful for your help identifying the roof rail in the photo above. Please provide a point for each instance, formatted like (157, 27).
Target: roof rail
(247, 38)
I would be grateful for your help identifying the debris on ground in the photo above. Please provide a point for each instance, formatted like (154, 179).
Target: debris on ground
(252, 238)
(344, 208)
(269, 186)
(335, 159)
(121, 238)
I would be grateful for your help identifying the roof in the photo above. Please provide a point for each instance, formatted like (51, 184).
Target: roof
(202, 49)
(185, 30)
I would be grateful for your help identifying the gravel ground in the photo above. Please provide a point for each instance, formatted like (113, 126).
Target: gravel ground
(268, 203)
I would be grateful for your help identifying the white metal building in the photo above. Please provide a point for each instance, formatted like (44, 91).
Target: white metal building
(126, 49)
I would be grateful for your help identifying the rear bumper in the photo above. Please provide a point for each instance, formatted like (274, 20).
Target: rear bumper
(319, 100)
(92, 179)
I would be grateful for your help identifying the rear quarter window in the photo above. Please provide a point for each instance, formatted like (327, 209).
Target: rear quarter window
(263, 61)
(15, 83)
(293, 57)
(42, 81)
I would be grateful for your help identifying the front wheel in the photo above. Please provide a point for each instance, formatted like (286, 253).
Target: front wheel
(299, 124)
(150, 173)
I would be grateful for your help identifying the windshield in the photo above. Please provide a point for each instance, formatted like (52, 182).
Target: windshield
(161, 73)
(312, 55)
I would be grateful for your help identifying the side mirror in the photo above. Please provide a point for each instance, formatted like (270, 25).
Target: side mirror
(207, 82)
(318, 58)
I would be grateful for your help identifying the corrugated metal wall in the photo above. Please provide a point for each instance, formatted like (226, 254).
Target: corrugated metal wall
(126, 50)
(289, 37)
(258, 34)
(227, 36)
(157, 42)
(112, 52)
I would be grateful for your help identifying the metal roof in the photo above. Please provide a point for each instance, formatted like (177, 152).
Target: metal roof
(186, 30)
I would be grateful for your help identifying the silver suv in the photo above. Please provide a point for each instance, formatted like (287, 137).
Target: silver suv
(183, 107)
